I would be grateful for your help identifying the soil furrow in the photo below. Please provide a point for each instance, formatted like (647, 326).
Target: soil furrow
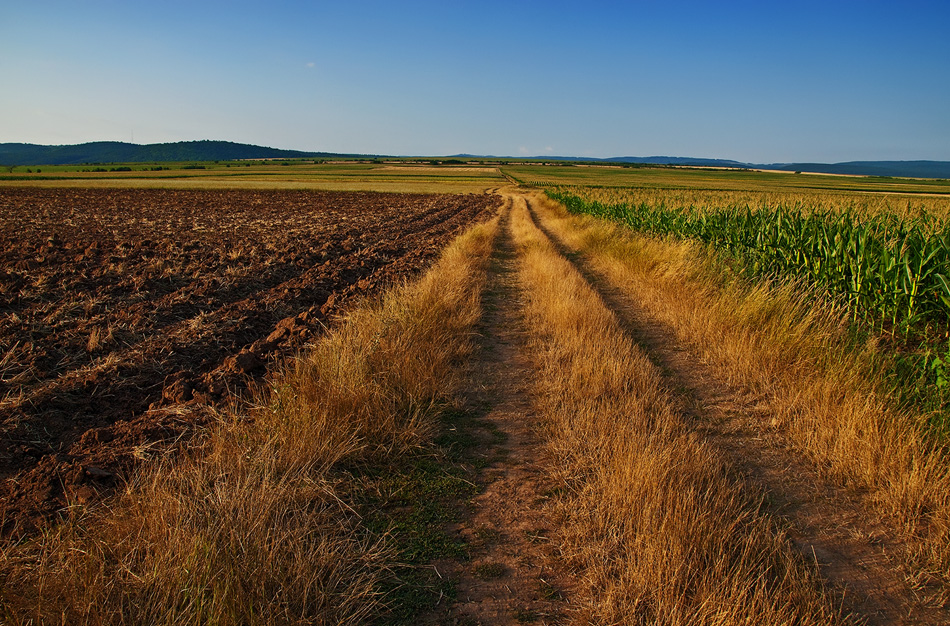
(102, 351)
(234, 324)
(167, 308)
(828, 523)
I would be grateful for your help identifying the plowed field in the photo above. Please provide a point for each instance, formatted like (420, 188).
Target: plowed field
(125, 314)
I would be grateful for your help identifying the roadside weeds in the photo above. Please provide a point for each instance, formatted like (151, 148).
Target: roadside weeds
(790, 355)
(654, 520)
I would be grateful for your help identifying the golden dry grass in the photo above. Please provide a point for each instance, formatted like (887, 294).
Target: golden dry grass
(653, 521)
(394, 177)
(791, 352)
(249, 527)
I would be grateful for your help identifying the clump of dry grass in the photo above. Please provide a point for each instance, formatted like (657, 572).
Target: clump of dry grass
(653, 520)
(790, 351)
(99, 339)
(220, 538)
(250, 527)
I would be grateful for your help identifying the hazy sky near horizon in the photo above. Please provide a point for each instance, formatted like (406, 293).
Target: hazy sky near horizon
(751, 81)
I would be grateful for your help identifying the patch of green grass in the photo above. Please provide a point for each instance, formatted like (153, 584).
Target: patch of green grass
(921, 379)
(421, 500)
(413, 502)
(412, 505)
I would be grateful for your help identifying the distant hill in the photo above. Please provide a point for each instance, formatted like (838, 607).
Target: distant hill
(906, 169)
(120, 152)
(911, 169)
(666, 160)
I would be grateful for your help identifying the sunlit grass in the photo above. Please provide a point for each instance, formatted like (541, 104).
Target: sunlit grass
(829, 393)
(396, 177)
(659, 532)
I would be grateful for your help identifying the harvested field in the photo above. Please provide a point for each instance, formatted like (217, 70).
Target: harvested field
(125, 315)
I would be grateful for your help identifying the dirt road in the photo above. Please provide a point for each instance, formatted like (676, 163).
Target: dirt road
(521, 571)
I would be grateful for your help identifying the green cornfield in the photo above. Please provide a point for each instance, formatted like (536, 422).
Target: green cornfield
(891, 271)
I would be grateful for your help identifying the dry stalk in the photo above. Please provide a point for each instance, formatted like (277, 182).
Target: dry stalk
(779, 344)
(654, 522)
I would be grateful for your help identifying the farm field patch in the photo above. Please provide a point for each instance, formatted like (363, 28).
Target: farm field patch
(710, 190)
(563, 420)
(712, 179)
(385, 176)
(124, 314)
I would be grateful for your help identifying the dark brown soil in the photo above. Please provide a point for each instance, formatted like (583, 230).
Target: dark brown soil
(125, 315)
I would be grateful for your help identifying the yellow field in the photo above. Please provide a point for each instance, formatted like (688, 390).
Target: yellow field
(345, 176)
(651, 185)
(711, 188)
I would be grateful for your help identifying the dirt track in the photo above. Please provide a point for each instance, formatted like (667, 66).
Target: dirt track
(834, 527)
(513, 576)
(125, 314)
(853, 552)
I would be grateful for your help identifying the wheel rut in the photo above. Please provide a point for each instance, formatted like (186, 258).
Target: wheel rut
(512, 576)
(828, 524)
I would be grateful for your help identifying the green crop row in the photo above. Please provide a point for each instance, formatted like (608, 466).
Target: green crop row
(888, 270)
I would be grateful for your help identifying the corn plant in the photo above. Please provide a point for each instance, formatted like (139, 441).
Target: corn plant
(890, 271)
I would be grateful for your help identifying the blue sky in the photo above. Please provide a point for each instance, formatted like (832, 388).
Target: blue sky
(752, 81)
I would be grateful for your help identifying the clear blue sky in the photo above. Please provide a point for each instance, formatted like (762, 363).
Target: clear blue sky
(752, 81)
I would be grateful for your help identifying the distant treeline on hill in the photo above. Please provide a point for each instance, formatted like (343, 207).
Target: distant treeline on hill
(120, 152)
(904, 169)
(909, 169)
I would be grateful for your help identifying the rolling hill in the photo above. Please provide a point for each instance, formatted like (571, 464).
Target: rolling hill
(120, 152)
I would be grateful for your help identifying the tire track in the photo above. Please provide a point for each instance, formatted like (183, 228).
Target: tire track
(827, 523)
(512, 577)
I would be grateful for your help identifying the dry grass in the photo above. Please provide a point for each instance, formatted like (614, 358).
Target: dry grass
(661, 532)
(791, 352)
(99, 339)
(249, 527)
